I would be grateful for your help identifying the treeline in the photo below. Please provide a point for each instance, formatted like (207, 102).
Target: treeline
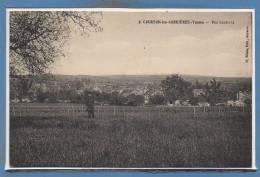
(171, 89)
(101, 98)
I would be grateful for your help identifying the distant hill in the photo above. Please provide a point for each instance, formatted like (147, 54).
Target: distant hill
(154, 78)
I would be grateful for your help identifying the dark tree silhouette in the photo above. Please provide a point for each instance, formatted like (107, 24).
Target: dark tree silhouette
(213, 91)
(176, 88)
(135, 100)
(37, 38)
(157, 99)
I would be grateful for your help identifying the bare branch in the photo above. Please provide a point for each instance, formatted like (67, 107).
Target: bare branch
(37, 37)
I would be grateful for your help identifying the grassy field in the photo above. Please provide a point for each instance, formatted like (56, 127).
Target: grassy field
(132, 139)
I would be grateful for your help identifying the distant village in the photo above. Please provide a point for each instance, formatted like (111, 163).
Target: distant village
(27, 90)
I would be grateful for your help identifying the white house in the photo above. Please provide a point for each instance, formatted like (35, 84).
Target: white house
(230, 103)
(79, 92)
(177, 103)
(198, 92)
(186, 103)
(239, 103)
(203, 104)
(243, 96)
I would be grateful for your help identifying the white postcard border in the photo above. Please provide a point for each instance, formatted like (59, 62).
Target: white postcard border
(7, 142)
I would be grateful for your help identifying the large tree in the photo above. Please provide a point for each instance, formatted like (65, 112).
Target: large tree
(37, 38)
(176, 88)
(213, 91)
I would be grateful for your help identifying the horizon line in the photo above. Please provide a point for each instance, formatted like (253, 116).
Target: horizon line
(163, 74)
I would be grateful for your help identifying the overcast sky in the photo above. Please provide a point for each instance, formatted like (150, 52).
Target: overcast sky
(127, 47)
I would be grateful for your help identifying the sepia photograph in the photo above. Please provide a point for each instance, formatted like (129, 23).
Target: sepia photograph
(130, 89)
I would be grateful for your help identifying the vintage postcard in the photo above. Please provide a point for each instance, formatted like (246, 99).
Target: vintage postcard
(141, 89)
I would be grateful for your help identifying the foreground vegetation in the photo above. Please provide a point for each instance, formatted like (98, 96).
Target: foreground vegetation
(158, 140)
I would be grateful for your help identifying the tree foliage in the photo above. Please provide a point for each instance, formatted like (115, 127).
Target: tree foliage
(19, 87)
(175, 87)
(213, 91)
(135, 100)
(157, 99)
(37, 38)
(116, 99)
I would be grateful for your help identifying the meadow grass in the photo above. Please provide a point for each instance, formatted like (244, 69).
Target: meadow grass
(133, 140)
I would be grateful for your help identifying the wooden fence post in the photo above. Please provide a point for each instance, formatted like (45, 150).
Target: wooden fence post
(13, 111)
(114, 110)
(72, 109)
(97, 112)
(20, 113)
